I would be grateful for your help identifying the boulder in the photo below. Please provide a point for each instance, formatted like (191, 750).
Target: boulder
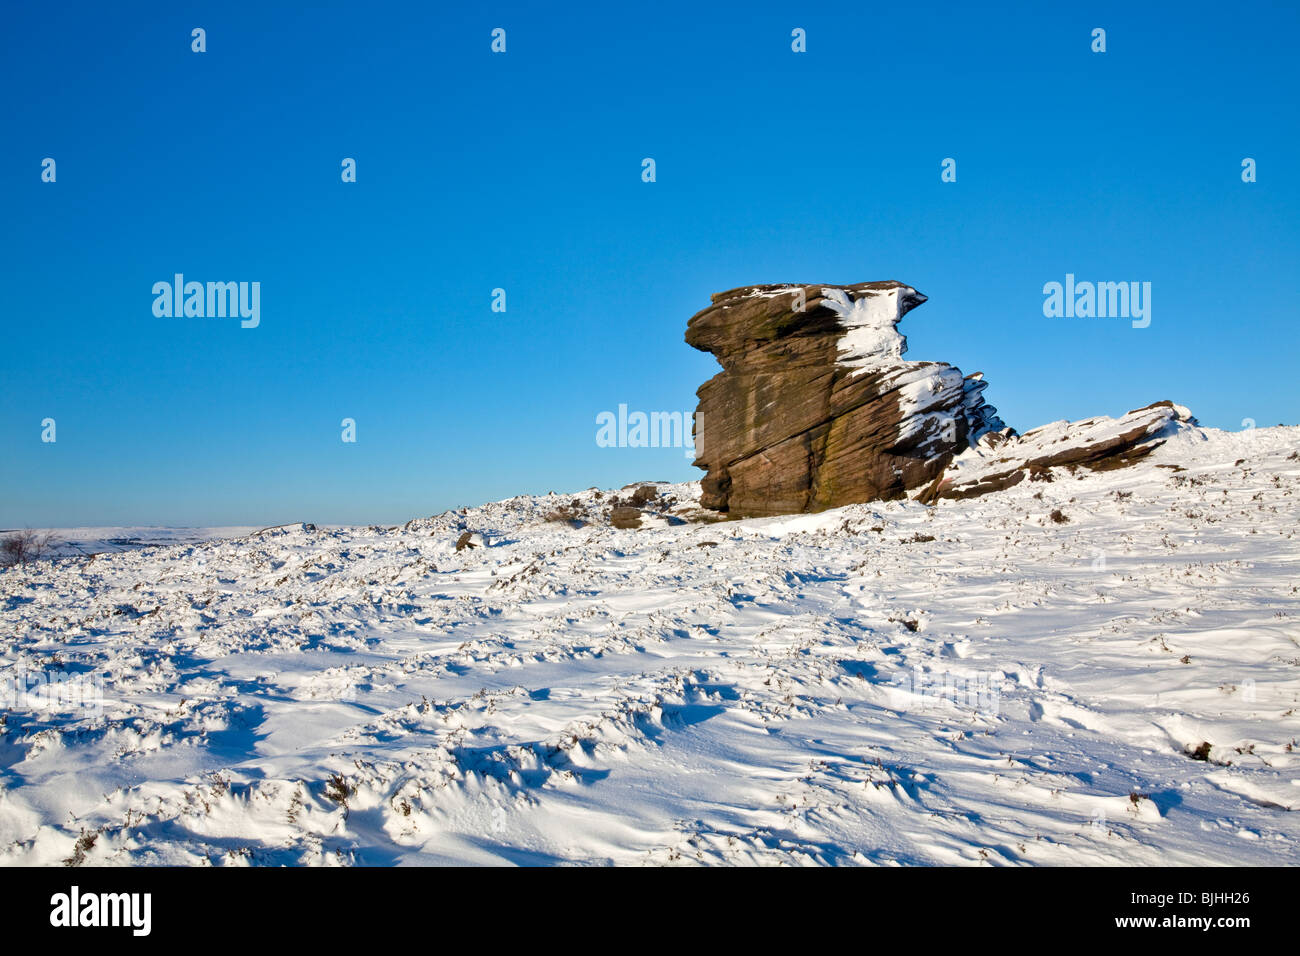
(815, 406)
(625, 516)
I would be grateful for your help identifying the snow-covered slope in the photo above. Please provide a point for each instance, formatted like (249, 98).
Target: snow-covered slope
(974, 682)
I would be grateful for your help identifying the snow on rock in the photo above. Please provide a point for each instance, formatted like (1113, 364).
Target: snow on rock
(1000, 459)
(815, 406)
(870, 338)
(1097, 669)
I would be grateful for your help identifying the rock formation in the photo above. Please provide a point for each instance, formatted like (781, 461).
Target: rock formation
(1002, 459)
(815, 407)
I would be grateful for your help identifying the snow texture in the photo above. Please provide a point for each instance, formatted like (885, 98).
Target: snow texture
(977, 682)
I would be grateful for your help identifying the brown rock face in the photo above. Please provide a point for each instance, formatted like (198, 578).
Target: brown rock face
(1001, 460)
(815, 406)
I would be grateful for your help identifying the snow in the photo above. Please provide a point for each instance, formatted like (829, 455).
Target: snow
(71, 541)
(870, 339)
(774, 292)
(888, 683)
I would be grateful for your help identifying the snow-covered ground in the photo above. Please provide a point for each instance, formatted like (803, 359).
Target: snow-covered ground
(973, 682)
(87, 541)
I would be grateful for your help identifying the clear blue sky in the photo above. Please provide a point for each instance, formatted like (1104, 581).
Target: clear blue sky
(523, 171)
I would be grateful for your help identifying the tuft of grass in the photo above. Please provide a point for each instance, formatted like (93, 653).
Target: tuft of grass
(339, 790)
(570, 514)
(84, 843)
(1058, 517)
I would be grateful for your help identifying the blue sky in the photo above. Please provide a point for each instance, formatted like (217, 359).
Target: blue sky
(523, 171)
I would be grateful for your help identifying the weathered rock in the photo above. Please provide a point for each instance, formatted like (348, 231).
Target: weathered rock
(1000, 460)
(470, 539)
(625, 516)
(644, 495)
(816, 408)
